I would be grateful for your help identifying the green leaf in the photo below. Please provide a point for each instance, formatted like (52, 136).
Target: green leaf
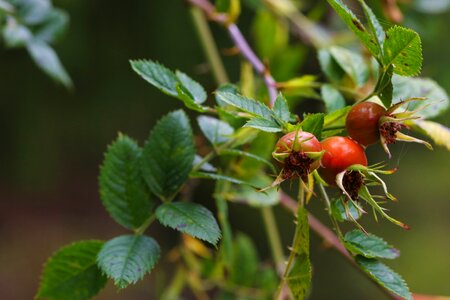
(313, 123)
(215, 130)
(403, 50)
(352, 63)
(72, 273)
(385, 88)
(248, 105)
(197, 92)
(384, 276)
(226, 88)
(191, 218)
(355, 25)
(339, 213)
(236, 152)
(374, 25)
(299, 276)
(437, 132)
(168, 154)
(127, 258)
(266, 125)
(33, 12)
(329, 65)
(158, 75)
(336, 118)
(369, 245)
(332, 97)
(215, 176)
(122, 188)
(178, 85)
(438, 100)
(53, 27)
(15, 34)
(281, 109)
(244, 266)
(47, 60)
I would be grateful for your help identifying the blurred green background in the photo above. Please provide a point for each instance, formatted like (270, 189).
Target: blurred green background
(53, 142)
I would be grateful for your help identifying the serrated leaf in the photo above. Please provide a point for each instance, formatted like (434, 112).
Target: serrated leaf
(215, 130)
(332, 97)
(403, 50)
(158, 75)
(246, 104)
(168, 154)
(15, 34)
(281, 109)
(226, 88)
(197, 92)
(72, 273)
(438, 100)
(355, 25)
(266, 125)
(127, 258)
(313, 123)
(339, 213)
(299, 276)
(352, 63)
(384, 276)
(369, 245)
(122, 188)
(215, 176)
(374, 25)
(336, 118)
(437, 132)
(47, 60)
(191, 218)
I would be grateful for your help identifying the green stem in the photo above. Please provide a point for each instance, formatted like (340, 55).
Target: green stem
(145, 225)
(209, 47)
(273, 235)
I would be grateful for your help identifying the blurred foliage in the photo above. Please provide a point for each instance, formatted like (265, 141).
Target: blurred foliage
(54, 138)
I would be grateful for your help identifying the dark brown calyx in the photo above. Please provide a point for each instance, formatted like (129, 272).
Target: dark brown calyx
(352, 182)
(389, 130)
(297, 164)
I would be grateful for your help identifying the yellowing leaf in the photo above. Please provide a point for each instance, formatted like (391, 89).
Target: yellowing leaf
(437, 132)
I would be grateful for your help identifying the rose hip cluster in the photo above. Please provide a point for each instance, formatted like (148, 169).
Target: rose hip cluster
(341, 161)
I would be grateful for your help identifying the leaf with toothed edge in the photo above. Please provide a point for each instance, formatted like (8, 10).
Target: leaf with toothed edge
(374, 25)
(127, 258)
(355, 25)
(369, 245)
(264, 124)
(403, 50)
(384, 276)
(191, 218)
(281, 108)
(313, 123)
(72, 273)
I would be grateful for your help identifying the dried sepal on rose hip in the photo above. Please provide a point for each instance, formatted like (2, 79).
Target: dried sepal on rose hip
(299, 153)
(344, 164)
(369, 122)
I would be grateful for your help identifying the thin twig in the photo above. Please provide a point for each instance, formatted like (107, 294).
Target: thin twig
(242, 44)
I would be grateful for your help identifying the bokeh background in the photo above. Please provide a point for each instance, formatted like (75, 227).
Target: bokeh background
(52, 142)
